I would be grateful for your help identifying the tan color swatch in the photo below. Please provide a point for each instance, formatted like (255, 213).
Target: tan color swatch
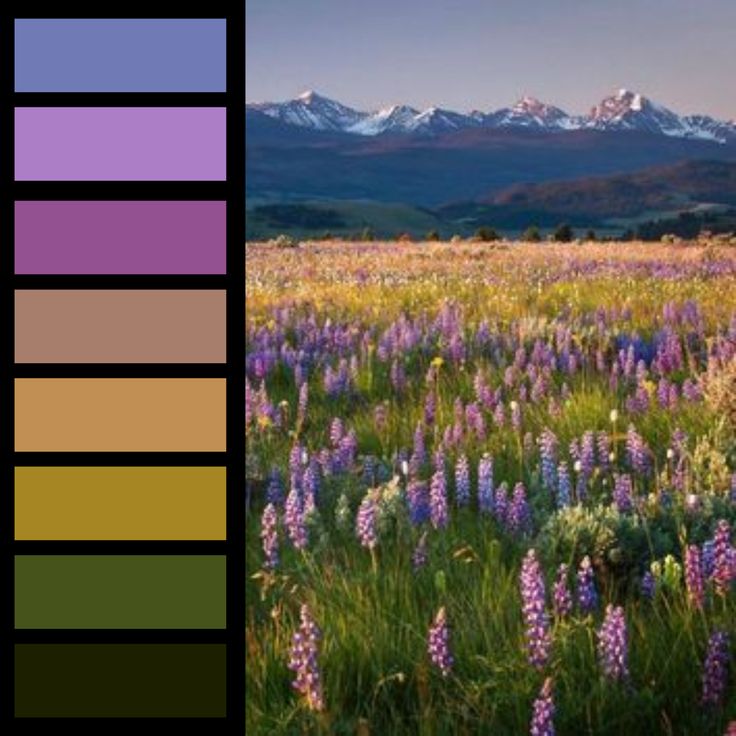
(120, 326)
(120, 415)
(120, 503)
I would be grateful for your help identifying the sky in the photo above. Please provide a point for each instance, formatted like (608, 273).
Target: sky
(486, 54)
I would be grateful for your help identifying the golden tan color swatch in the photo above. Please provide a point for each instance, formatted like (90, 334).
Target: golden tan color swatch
(120, 415)
(119, 326)
(120, 503)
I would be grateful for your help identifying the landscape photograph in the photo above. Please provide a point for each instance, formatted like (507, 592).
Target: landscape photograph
(490, 398)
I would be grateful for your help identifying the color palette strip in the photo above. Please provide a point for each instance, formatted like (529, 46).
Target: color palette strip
(120, 680)
(119, 592)
(120, 143)
(125, 238)
(120, 415)
(120, 503)
(120, 55)
(120, 326)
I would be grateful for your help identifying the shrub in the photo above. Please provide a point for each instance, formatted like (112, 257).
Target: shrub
(531, 234)
(285, 241)
(432, 236)
(486, 234)
(563, 234)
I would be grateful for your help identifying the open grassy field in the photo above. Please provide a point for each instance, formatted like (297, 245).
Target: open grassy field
(491, 489)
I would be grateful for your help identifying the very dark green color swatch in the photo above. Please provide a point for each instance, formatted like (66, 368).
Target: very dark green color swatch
(120, 680)
(119, 592)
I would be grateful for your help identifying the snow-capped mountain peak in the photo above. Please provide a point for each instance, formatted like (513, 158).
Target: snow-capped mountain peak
(624, 110)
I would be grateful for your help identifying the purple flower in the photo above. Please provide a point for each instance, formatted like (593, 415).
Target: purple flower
(561, 596)
(438, 644)
(543, 712)
(722, 558)
(586, 593)
(304, 660)
(708, 558)
(587, 454)
(715, 669)
(419, 556)
(269, 537)
(613, 648)
(536, 620)
(623, 493)
(501, 504)
(516, 416)
(275, 488)
(636, 451)
(365, 522)
(337, 430)
(694, 575)
(418, 501)
(438, 500)
(604, 450)
(303, 403)
(419, 453)
(564, 485)
(294, 520)
(485, 484)
(462, 481)
(548, 446)
(519, 517)
(648, 585)
(430, 408)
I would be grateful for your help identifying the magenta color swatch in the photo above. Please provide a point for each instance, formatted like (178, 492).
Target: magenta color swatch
(142, 237)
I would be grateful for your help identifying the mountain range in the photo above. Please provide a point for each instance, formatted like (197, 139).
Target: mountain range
(623, 111)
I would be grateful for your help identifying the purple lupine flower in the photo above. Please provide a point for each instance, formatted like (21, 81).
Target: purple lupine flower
(398, 377)
(365, 522)
(519, 515)
(419, 453)
(548, 446)
(337, 430)
(348, 449)
(275, 488)
(438, 643)
(586, 592)
(708, 557)
(430, 408)
(561, 596)
(296, 467)
(418, 501)
(516, 416)
(462, 481)
(310, 485)
(438, 500)
(587, 453)
(648, 585)
(419, 555)
(636, 451)
(715, 669)
(691, 391)
(270, 537)
(564, 485)
(294, 520)
(304, 662)
(694, 575)
(543, 712)
(623, 493)
(485, 484)
(501, 503)
(303, 403)
(474, 420)
(722, 558)
(613, 647)
(536, 620)
(499, 415)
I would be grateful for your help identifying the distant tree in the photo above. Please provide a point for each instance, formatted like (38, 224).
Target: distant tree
(563, 234)
(432, 235)
(405, 238)
(367, 234)
(486, 234)
(628, 235)
(531, 234)
(590, 235)
(327, 236)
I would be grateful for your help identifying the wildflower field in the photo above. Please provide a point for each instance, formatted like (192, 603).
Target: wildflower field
(491, 489)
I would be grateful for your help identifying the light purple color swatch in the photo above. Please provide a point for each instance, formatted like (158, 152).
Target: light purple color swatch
(123, 238)
(120, 144)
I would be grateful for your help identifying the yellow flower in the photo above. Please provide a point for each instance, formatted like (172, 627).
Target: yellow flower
(437, 362)
(264, 422)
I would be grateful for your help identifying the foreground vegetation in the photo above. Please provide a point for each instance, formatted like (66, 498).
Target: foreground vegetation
(433, 430)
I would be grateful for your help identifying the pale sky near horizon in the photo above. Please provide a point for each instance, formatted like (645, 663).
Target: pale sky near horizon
(485, 54)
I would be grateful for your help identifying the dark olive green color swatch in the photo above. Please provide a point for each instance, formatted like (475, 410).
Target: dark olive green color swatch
(120, 592)
(120, 681)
